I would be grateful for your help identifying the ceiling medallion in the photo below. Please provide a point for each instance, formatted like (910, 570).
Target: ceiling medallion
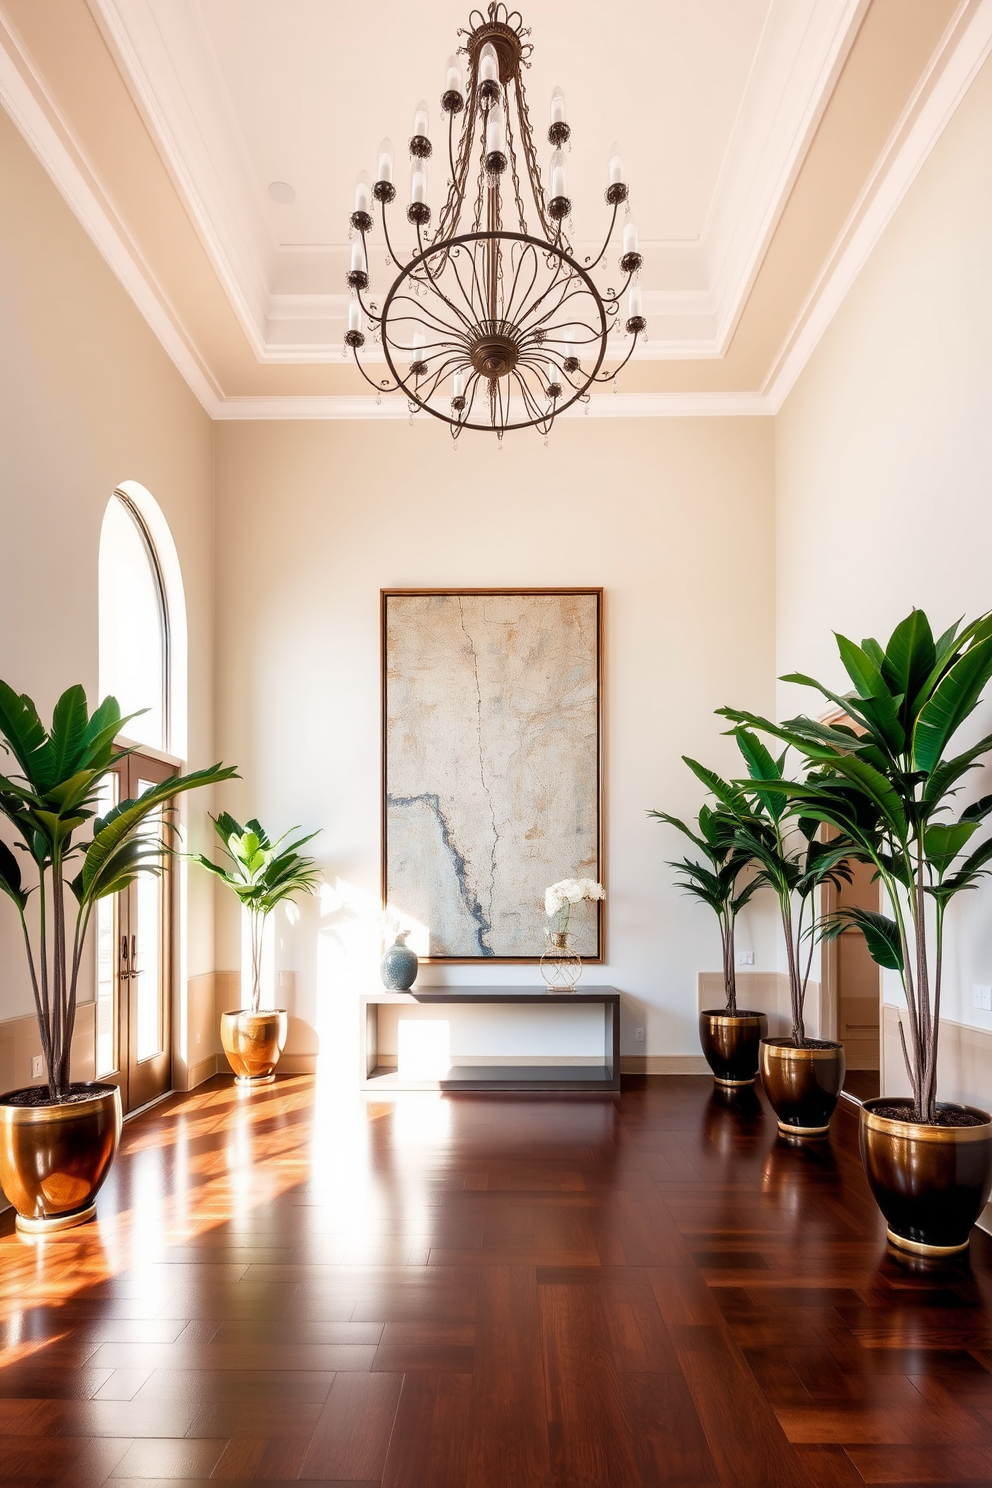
(489, 323)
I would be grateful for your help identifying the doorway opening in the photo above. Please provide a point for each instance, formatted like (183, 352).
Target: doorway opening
(853, 985)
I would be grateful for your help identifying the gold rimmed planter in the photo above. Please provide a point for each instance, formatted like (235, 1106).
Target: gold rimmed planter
(802, 1084)
(930, 1182)
(253, 1043)
(54, 1158)
(730, 1043)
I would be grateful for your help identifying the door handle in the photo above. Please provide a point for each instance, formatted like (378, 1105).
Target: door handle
(125, 973)
(134, 956)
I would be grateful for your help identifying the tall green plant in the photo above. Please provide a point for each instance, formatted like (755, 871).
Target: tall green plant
(715, 882)
(262, 874)
(793, 864)
(51, 796)
(889, 783)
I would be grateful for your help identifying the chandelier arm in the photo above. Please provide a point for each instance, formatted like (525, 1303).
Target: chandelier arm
(609, 376)
(377, 319)
(528, 251)
(534, 409)
(606, 243)
(397, 260)
(380, 387)
(568, 291)
(452, 259)
(450, 214)
(530, 160)
(479, 288)
(614, 299)
(450, 363)
(435, 285)
(512, 155)
(424, 315)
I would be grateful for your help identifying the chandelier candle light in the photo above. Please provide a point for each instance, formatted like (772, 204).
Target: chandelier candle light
(492, 324)
(561, 964)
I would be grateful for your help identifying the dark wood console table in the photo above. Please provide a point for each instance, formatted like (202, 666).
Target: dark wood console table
(538, 1074)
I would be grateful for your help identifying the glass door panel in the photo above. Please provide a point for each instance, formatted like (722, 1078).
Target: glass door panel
(134, 959)
(147, 961)
(108, 958)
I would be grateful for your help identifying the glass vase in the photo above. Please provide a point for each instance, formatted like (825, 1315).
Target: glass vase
(561, 964)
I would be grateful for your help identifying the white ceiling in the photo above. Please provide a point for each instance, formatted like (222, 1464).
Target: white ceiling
(714, 102)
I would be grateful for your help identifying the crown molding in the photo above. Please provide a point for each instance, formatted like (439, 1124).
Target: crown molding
(615, 405)
(33, 112)
(966, 47)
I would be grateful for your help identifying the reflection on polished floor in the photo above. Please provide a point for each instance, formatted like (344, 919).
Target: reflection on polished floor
(473, 1292)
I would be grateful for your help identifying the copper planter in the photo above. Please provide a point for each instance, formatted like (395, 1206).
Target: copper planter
(730, 1043)
(930, 1182)
(253, 1043)
(803, 1085)
(54, 1159)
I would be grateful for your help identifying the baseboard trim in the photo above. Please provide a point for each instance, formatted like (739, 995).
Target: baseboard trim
(203, 1069)
(663, 1064)
(297, 1064)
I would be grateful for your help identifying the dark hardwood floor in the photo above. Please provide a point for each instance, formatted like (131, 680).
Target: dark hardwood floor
(488, 1292)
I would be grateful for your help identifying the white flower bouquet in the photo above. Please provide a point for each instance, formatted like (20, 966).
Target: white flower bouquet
(559, 898)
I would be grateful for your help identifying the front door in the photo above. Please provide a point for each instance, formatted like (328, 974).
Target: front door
(134, 960)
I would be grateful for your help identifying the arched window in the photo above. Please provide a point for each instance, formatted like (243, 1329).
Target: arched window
(138, 623)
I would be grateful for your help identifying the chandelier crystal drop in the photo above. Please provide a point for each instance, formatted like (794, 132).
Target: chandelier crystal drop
(491, 322)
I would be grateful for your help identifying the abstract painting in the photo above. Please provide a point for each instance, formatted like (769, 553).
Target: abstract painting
(491, 764)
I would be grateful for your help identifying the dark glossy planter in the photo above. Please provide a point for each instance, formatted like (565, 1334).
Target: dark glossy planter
(803, 1085)
(930, 1182)
(730, 1044)
(253, 1043)
(54, 1159)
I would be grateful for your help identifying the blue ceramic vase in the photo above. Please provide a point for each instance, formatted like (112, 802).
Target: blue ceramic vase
(399, 965)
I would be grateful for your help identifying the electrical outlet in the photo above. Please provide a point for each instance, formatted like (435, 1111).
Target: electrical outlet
(745, 958)
(639, 1035)
(36, 1067)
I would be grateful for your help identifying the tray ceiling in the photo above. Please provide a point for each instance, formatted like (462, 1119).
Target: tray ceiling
(757, 134)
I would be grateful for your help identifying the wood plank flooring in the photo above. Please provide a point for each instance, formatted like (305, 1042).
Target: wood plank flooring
(488, 1292)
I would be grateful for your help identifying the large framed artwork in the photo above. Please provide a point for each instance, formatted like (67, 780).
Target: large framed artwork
(491, 764)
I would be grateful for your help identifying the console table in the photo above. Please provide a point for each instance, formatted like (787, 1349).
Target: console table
(596, 1073)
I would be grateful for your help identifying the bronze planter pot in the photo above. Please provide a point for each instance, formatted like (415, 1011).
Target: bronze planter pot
(803, 1085)
(930, 1182)
(54, 1159)
(253, 1043)
(730, 1043)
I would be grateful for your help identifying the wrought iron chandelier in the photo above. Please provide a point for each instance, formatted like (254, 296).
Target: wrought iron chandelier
(489, 324)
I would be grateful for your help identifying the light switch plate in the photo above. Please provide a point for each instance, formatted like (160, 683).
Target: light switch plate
(745, 958)
(981, 996)
(36, 1067)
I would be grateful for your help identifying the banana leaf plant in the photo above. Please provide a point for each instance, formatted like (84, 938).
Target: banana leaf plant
(793, 864)
(49, 800)
(716, 881)
(263, 874)
(888, 781)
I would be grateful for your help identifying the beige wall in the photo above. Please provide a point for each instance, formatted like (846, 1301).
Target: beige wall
(672, 517)
(87, 399)
(884, 462)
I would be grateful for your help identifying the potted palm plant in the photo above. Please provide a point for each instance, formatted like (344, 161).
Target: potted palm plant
(802, 1076)
(729, 1036)
(263, 874)
(888, 781)
(57, 1141)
